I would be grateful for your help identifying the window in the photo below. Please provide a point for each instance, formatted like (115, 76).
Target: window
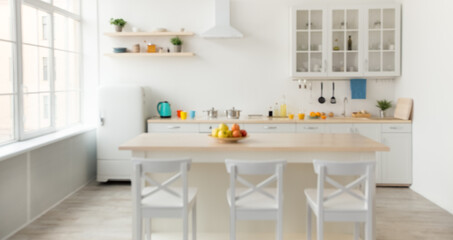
(45, 28)
(45, 95)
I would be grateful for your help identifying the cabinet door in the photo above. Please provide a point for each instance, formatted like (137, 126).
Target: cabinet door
(308, 42)
(170, 128)
(382, 41)
(340, 128)
(311, 128)
(397, 164)
(345, 42)
(270, 128)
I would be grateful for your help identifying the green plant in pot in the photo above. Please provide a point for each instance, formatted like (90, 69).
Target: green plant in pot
(119, 23)
(177, 44)
(383, 105)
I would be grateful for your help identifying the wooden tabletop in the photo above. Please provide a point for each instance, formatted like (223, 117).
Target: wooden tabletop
(303, 142)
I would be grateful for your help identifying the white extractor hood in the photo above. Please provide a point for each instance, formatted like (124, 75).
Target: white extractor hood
(222, 27)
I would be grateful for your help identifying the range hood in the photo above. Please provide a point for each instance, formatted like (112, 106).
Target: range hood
(222, 27)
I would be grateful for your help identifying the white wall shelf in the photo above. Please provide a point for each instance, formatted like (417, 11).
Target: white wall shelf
(170, 54)
(147, 34)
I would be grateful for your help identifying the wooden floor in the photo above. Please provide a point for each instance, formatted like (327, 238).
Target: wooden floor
(103, 211)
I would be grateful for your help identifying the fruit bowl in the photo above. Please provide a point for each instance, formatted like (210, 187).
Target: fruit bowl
(227, 140)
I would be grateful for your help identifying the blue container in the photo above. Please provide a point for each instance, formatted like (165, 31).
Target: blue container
(119, 50)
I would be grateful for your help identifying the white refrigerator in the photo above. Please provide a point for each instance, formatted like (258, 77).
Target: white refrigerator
(123, 111)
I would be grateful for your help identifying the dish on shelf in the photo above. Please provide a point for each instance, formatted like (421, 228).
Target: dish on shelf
(119, 50)
(160, 30)
(227, 140)
(317, 117)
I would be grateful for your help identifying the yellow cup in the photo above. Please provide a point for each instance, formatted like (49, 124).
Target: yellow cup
(301, 116)
(183, 115)
(291, 116)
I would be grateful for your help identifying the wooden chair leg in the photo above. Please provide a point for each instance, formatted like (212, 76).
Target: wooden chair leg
(185, 225)
(279, 226)
(138, 227)
(147, 222)
(194, 221)
(232, 226)
(309, 215)
(356, 231)
(320, 227)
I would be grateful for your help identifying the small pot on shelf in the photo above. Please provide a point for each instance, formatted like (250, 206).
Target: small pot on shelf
(177, 48)
(382, 114)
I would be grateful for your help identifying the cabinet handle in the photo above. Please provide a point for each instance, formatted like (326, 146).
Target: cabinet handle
(394, 128)
(174, 127)
(270, 127)
(311, 128)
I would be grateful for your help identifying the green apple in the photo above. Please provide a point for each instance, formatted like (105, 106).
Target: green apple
(223, 127)
(215, 132)
(222, 134)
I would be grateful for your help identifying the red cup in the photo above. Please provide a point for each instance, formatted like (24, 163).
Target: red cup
(178, 113)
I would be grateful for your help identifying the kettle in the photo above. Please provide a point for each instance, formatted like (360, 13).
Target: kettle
(164, 110)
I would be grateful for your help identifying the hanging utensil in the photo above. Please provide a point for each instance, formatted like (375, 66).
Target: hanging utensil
(332, 99)
(321, 99)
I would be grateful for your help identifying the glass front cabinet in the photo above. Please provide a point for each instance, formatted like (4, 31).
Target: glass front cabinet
(346, 41)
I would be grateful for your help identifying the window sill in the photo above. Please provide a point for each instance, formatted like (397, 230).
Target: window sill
(14, 149)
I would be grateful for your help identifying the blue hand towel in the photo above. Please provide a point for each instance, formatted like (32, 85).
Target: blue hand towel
(358, 88)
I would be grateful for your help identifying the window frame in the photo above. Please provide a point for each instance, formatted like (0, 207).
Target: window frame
(17, 74)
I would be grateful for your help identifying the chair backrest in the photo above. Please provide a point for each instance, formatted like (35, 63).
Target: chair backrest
(242, 167)
(144, 166)
(365, 171)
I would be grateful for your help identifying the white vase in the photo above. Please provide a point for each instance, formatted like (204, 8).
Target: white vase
(382, 114)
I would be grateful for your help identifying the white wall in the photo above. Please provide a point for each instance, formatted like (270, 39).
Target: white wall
(250, 73)
(427, 77)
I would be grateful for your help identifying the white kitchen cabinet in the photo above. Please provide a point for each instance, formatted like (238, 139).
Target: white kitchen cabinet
(320, 36)
(309, 42)
(270, 128)
(397, 164)
(311, 128)
(173, 127)
(382, 40)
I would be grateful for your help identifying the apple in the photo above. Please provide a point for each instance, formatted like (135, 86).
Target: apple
(243, 132)
(222, 134)
(229, 133)
(235, 127)
(215, 132)
(237, 133)
(223, 127)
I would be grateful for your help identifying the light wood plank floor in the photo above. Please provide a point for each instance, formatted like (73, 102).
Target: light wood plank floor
(102, 211)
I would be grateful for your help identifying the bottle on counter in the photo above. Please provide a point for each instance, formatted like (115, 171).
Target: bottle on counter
(270, 114)
(276, 110)
(283, 106)
(349, 43)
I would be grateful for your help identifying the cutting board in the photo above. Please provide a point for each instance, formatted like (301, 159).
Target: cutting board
(403, 108)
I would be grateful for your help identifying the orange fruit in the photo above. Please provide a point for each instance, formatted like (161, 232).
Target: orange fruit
(312, 114)
(323, 117)
(318, 114)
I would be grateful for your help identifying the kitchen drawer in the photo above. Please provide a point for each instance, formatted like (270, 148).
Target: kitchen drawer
(270, 128)
(207, 127)
(169, 128)
(311, 128)
(395, 128)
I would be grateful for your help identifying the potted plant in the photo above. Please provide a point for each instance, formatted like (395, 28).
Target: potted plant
(119, 23)
(177, 44)
(383, 105)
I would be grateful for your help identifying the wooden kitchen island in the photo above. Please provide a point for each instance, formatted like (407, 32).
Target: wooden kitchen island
(208, 173)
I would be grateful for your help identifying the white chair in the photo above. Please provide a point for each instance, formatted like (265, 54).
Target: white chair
(343, 203)
(156, 199)
(255, 202)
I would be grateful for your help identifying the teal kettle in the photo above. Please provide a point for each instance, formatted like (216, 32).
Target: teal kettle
(164, 110)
